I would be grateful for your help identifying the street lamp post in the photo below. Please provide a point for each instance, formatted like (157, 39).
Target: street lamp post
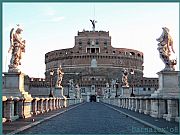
(51, 75)
(68, 91)
(132, 73)
(116, 86)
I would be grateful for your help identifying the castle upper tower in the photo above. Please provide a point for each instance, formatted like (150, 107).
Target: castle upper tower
(92, 41)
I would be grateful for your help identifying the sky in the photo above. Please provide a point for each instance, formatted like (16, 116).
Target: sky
(53, 26)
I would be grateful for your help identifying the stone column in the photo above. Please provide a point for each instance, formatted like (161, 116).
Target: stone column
(4, 99)
(54, 103)
(27, 107)
(148, 106)
(46, 105)
(50, 104)
(142, 105)
(9, 109)
(172, 109)
(60, 102)
(66, 102)
(118, 102)
(16, 107)
(130, 103)
(21, 108)
(124, 102)
(137, 102)
(40, 105)
(34, 106)
(157, 108)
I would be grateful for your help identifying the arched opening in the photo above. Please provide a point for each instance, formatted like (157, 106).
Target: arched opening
(92, 98)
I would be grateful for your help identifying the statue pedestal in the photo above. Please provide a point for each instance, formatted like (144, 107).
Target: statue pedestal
(125, 92)
(71, 94)
(112, 93)
(168, 88)
(13, 88)
(13, 85)
(168, 85)
(59, 92)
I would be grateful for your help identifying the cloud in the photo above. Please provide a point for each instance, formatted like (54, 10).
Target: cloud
(57, 19)
(52, 15)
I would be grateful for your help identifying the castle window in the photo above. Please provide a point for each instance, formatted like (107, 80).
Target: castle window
(132, 53)
(88, 42)
(97, 50)
(80, 42)
(97, 42)
(114, 52)
(105, 44)
(138, 55)
(144, 89)
(88, 50)
(149, 89)
(92, 50)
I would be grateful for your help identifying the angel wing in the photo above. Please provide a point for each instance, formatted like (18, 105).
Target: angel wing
(11, 36)
(11, 39)
(92, 21)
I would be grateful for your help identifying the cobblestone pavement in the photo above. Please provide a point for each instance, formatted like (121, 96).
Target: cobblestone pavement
(90, 118)
(158, 123)
(22, 124)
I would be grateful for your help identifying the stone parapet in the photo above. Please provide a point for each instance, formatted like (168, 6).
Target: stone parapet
(166, 108)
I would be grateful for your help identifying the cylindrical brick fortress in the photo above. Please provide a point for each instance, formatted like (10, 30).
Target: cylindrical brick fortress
(93, 60)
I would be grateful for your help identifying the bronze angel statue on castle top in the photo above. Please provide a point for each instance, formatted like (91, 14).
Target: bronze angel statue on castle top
(17, 47)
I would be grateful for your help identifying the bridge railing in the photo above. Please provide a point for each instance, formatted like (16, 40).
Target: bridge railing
(15, 107)
(166, 108)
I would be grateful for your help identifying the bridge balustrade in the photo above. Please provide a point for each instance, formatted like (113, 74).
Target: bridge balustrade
(166, 108)
(15, 107)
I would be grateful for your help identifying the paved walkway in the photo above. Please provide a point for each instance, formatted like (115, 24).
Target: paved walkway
(157, 124)
(89, 118)
(23, 124)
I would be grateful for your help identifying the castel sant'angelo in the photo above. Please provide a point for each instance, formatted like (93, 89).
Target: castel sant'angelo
(93, 66)
(93, 61)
